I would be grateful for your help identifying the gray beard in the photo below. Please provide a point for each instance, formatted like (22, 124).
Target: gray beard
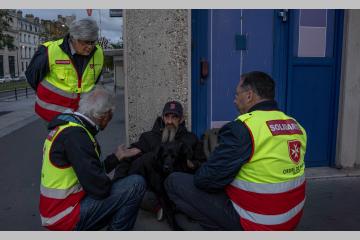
(168, 134)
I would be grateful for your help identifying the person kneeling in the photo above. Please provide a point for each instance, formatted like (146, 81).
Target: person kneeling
(75, 192)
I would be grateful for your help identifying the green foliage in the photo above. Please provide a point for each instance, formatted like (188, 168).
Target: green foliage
(118, 45)
(5, 39)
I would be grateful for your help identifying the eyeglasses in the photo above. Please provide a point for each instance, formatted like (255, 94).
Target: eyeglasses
(83, 42)
(238, 93)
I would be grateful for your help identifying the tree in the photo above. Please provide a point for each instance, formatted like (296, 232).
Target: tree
(5, 39)
(118, 45)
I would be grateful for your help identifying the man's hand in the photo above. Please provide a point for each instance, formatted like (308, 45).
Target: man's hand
(123, 152)
(190, 164)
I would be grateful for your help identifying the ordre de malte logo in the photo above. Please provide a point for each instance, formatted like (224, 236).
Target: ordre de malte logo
(294, 150)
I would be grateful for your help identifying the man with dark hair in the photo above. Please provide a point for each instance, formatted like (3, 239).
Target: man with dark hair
(254, 179)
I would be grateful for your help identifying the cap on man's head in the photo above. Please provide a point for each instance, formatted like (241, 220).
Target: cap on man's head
(173, 107)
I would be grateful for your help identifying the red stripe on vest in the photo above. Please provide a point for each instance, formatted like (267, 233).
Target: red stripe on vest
(68, 222)
(48, 96)
(287, 226)
(268, 204)
(45, 114)
(50, 207)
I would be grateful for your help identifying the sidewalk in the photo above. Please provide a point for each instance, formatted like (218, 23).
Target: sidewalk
(21, 114)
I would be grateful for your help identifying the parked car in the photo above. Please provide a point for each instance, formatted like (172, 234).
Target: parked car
(22, 78)
(2, 80)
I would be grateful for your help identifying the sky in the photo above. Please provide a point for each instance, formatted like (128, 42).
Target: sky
(110, 27)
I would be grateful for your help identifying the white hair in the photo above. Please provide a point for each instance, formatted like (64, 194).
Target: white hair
(84, 29)
(96, 103)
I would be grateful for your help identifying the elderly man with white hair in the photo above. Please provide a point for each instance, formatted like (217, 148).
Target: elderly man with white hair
(60, 71)
(75, 192)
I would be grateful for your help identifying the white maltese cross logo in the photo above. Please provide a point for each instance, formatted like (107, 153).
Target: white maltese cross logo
(294, 150)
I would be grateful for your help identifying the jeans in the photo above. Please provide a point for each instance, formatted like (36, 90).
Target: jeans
(118, 211)
(208, 211)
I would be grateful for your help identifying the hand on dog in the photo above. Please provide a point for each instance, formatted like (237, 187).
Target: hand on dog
(123, 152)
(190, 164)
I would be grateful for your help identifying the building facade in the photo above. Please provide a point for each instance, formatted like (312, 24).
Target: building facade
(8, 57)
(29, 30)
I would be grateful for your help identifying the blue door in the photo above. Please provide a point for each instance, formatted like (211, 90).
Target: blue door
(312, 71)
(231, 42)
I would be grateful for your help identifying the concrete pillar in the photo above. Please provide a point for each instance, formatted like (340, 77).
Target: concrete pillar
(348, 147)
(157, 65)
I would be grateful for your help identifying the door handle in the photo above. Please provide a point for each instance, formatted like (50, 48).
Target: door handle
(283, 14)
(204, 70)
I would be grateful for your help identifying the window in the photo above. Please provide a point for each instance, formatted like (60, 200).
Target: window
(26, 64)
(28, 38)
(22, 66)
(12, 66)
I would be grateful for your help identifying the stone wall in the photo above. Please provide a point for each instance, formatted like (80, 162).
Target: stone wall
(156, 65)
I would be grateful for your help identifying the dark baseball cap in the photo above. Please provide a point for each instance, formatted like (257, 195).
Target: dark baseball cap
(173, 107)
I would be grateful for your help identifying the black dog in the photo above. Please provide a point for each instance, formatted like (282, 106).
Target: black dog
(170, 157)
(173, 157)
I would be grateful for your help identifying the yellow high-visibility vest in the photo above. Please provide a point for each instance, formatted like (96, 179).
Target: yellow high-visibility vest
(277, 139)
(63, 74)
(60, 190)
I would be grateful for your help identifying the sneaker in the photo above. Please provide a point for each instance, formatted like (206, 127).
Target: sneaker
(160, 214)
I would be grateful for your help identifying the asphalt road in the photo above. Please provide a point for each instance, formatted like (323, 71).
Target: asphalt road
(21, 156)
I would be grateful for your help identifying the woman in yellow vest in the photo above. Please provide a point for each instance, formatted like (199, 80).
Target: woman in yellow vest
(254, 179)
(60, 71)
(75, 191)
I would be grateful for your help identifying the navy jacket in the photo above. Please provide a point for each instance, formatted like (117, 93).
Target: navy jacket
(233, 151)
(39, 64)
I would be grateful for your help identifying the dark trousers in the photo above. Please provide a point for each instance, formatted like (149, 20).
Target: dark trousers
(118, 211)
(211, 211)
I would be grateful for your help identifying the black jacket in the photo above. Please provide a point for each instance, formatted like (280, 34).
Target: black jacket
(149, 143)
(74, 148)
(39, 64)
(233, 151)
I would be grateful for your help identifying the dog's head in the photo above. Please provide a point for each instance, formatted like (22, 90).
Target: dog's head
(173, 155)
